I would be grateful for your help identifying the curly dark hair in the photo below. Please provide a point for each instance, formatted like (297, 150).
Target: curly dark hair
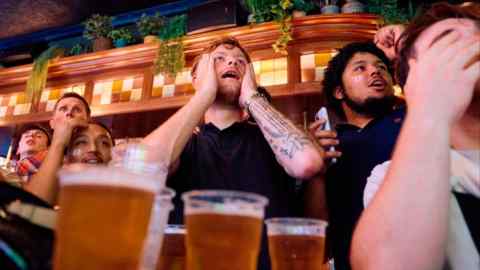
(437, 12)
(336, 66)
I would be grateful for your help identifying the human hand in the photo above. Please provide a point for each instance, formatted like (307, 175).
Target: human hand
(249, 85)
(325, 138)
(206, 77)
(439, 83)
(64, 128)
(387, 37)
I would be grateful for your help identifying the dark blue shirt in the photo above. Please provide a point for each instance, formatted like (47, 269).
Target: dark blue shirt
(362, 149)
(235, 158)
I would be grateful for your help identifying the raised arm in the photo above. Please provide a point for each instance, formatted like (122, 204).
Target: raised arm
(407, 220)
(170, 138)
(299, 155)
(44, 183)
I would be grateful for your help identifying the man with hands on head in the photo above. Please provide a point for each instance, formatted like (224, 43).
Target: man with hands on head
(70, 112)
(419, 202)
(228, 152)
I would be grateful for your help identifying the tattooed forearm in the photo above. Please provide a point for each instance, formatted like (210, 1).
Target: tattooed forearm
(283, 136)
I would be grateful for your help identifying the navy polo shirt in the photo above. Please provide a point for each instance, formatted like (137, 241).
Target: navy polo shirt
(362, 149)
(235, 158)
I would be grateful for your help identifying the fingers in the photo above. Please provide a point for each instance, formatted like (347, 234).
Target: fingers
(326, 143)
(325, 134)
(468, 54)
(428, 37)
(444, 43)
(332, 154)
(315, 125)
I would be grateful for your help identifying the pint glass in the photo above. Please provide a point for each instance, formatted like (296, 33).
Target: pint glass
(296, 243)
(173, 252)
(224, 229)
(104, 217)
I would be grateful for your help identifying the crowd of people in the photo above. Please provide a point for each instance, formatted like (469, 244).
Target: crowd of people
(404, 189)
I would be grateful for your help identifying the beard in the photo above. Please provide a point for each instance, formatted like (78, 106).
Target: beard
(372, 106)
(228, 95)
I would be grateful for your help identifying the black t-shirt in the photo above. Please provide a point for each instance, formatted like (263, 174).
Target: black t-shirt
(362, 149)
(235, 158)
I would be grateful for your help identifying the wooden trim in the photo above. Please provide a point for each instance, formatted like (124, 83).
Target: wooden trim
(298, 89)
(147, 83)
(311, 34)
(308, 29)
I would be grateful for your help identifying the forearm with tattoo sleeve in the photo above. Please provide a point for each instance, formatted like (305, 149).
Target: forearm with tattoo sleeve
(299, 155)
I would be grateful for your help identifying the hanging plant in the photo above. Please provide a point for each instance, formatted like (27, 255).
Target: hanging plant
(284, 19)
(38, 77)
(170, 57)
(279, 11)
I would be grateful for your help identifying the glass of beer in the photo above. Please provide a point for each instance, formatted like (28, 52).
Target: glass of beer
(172, 256)
(296, 243)
(223, 229)
(104, 217)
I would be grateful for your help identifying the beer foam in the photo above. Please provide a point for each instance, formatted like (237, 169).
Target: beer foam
(296, 226)
(84, 174)
(224, 202)
(231, 210)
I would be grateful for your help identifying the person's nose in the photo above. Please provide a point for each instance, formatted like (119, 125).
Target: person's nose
(231, 61)
(92, 147)
(374, 70)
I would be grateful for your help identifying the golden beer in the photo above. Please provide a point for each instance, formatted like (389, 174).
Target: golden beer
(296, 243)
(296, 252)
(172, 256)
(102, 222)
(224, 229)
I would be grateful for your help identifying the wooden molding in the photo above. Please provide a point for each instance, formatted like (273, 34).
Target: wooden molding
(311, 34)
(308, 29)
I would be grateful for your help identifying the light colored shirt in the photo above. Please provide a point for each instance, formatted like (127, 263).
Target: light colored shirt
(465, 178)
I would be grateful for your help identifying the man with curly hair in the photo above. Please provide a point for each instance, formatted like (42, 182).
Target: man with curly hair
(358, 88)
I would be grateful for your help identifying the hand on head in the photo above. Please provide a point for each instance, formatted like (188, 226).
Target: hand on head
(64, 128)
(249, 85)
(439, 81)
(387, 37)
(205, 78)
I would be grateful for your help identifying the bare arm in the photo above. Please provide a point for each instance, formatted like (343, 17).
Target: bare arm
(170, 138)
(407, 221)
(294, 149)
(44, 183)
(298, 153)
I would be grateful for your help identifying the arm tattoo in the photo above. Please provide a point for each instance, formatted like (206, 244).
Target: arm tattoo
(282, 135)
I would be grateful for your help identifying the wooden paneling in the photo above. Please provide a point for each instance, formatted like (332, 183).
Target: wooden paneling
(311, 34)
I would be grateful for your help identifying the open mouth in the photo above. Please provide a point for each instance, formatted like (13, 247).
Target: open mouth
(378, 83)
(92, 161)
(231, 74)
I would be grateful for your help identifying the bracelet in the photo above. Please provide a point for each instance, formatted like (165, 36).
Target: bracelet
(249, 101)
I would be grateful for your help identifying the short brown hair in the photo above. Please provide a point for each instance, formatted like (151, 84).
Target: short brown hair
(438, 12)
(228, 42)
(77, 96)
